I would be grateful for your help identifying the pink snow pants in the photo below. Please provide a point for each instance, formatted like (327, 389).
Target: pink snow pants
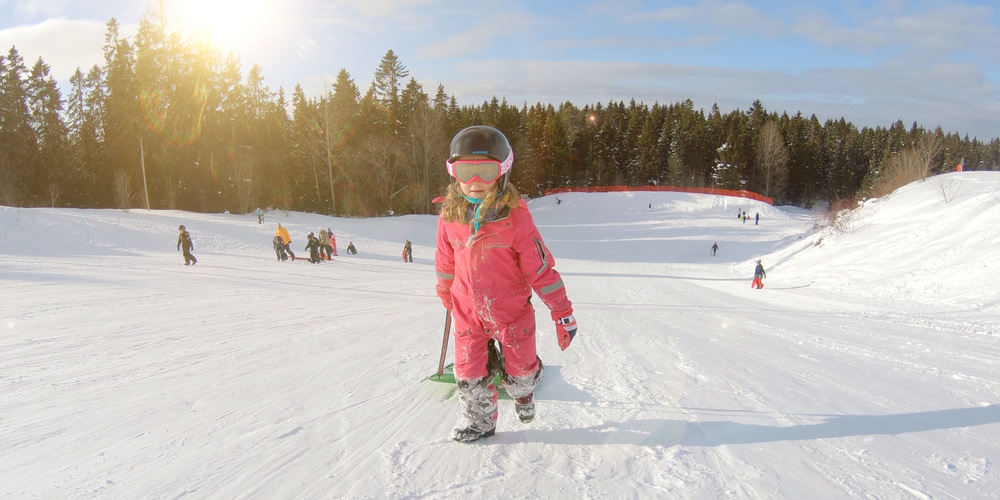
(517, 343)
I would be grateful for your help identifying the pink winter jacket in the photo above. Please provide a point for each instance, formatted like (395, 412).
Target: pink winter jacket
(491, 277)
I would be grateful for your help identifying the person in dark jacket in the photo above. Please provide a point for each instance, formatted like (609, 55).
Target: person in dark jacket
(312, 244)
(184, 240)
(279, 248)
(350, 248)
(758, 276)
(715, 247)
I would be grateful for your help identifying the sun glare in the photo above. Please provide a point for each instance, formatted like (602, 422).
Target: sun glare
(228, 24)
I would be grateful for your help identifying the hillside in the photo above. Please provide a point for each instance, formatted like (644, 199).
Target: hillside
(866, 367)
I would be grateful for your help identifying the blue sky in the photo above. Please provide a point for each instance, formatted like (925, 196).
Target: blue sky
(871, 62)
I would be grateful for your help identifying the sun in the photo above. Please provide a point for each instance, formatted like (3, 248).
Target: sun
(228, 24)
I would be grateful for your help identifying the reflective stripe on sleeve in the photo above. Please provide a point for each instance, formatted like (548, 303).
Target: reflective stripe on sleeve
(553, 287)
(541, 254)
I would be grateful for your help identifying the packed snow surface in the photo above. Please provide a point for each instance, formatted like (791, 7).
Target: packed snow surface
(867, 367)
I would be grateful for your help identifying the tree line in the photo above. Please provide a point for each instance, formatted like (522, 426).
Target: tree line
(176, 122)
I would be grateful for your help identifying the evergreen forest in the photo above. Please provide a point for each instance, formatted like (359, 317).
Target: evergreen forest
(169, 123)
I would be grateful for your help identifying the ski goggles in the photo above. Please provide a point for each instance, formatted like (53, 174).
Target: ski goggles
(483, 170)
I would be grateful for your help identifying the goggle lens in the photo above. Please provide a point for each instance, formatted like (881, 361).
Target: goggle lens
(466, 171)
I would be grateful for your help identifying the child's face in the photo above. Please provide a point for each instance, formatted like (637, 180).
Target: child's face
(478, 189)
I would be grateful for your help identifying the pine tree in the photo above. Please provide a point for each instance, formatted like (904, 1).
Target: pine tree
(19, 140)
(557, 153)
(46, 105)
(386, 85)
(648, 168)
(122, 117)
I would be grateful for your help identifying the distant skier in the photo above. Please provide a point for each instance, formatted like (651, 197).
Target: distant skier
(408, 252)
(184, 239)
(758, 276)
(756, 219)
(260, 216)
(350, 248)
(490, 257)
(715, 246)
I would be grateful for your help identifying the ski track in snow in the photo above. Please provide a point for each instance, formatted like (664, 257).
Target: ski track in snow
(863, 369)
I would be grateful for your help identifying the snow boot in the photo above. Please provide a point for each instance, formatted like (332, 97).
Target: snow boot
(525, 408)
(479, 410)
(470, 434)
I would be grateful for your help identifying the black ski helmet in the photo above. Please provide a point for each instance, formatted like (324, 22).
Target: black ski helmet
(481, 140)
(181, 227)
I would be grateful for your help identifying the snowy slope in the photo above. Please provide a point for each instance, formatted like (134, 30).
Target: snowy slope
(866, 367)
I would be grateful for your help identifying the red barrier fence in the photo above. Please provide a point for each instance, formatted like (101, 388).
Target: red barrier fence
(740, 193)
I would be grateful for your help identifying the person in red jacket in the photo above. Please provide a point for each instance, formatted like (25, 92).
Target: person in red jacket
(489, 259)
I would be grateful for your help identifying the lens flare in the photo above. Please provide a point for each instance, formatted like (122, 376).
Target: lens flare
(176, 118)
(213, 171)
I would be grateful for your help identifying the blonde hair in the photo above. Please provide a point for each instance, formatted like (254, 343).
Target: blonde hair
(456, 207)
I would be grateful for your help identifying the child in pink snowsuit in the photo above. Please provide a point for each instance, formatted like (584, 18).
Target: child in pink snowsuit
(489, 259)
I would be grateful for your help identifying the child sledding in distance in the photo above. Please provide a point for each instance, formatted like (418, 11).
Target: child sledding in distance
(489, 259)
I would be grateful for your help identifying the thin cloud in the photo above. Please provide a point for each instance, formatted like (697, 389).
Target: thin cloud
(937, 32)
(36, 9)
(742, 17)
(666, 15)
(619, 42)
(477, 38)
(62, 43)
(382, 9)
(732, 17)
(382, 16)
(470, 41)
(827, 32)
(951, 29)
